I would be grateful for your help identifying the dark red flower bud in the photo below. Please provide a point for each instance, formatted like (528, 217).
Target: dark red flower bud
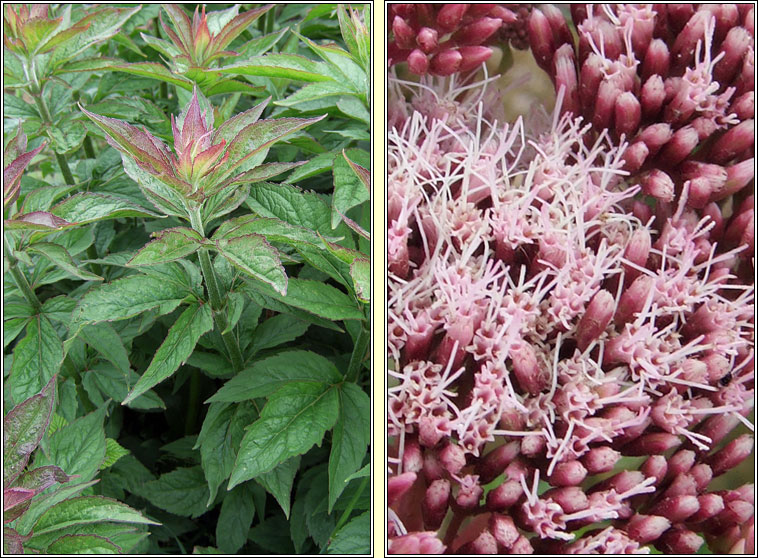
(734, 47)
(683, 51)
(435, 504)
(451, 15)
(656, 60)
(680, 541)
(702, 474)
(477, 32)
(504, 496)
(568, 473)
(446, 63)
(652, 96)
(399, 485)
(413, 459)
(565, 76)
(473, 56)
(596, 318)
(635, 156)
(655, 442)
(682, 143)
(682, 485)
(522, 546)
(541, 39)
(627, 114)
(731, 454)
(503, 529)
(744, 106)
(656, 136)
(590, 76)
(710, 505)
(495, 462)
(646, 528)
(733, 142)
(418, 63)
(426, 38)
(453, 458)
(570, 498)
(404, 35)
(655, 466)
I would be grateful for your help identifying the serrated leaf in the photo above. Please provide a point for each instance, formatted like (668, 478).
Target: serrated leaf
(292, 205)
(87, 509)
(350, 438)
(273, 230)
(12, 541)
(255, 256)
(270, 374)
(353, 538)
(79, 448)
(155, 71)
(349, 187)
(294, 419)
(175, 349)
(315, 297)
(275, 331)
(113, 452)
(183, 492)
(60, 257)
(235, 519)
(36, 359)
(271, 535)
(82, 544)
(287, 66)
(127, 297)
(104, 339)
(122, 535)
(88, 208)
(169, 245)
(278, 482)
(315, 91)
(23, 428)
(44, 502)
(219, 439)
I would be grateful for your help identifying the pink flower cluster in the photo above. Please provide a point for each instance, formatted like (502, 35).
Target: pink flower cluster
(569, 366)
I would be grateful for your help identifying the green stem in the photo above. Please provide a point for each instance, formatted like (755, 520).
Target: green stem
(215, 297)
(348, 510)
(48, 121)
(359, 354)
(20, 279)
(89, 150)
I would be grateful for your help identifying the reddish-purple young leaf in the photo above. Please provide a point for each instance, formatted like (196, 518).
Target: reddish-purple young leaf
(15, 496)
(37, 220)
(363, 174)
(236, 26)
(229, 129)
(42, 477)
(16, 147)
(12, 541)
(23, 428)
(183, 36)
(258, 174)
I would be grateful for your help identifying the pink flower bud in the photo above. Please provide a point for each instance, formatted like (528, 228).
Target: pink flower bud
(504, 496)
(628, 114)
(533, 446)
(682, 143)
(607, 92)
(529, 374)
(652, 96)
(745, 81)
(731, 455)
(413, 459)
(446, 62)
(735, 512)
(433, 469)
(679, 15)
(713, 211)
(682, 485)
(733, 142)
(710, 506)
(503, 529)
(416, 543)
(656, 60)
(429, 433)
(435, 504)
(418, 63)
(715, 175)
(450, 16)
(565, 76)
(522, 546)
(541, 39)
(744, 106)
(683, 51)
(717, 427)
(453, 458)
(655, 136)
(699, 191)
(590, 76)
(680, 541)
(596, 318)
(469, 493)
(404, 35)
(493, 464)
(655, 442)
(702, 474)
(635, 156)
(398, 485)
(741, 230)
(484, 543)
(737, 177)
(748, 21)
(646, 528)
(426, 38)
(477, 32)
(734, 47)
(655, 466)
(633, 299)
(637, 250)
(473, 56)
(568, 473)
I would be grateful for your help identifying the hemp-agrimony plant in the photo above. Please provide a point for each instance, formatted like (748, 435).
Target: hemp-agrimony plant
(187, 241)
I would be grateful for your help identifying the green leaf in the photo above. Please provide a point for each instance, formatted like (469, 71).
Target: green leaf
(294, 419)
(36, 359)
(219, 439)
(274, 304)
(176, 348)
(350, 438)
(87, 509)
(287, 66)
(212, 364)
(45, 501)
(315, 297)
(127, 297)
(104, 339)
(169, 245)
(360, 270)
(255, 256)
(87, 208)
(113, 452)
(60, 257)
(155, 71)
(353, 538)
(274, 230)
(275, 331)
(315, 91)
(292, 205)
(12, 328)
(270, 374)
(79, 448)
(235, 519)
(349, 188)
(278, 482)
(82, 544)
(364, 471)
(23, 428)
(123, 535)
(352, 107)
(181, 492)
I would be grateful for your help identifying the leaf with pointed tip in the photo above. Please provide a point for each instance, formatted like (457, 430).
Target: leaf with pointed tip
(79, 448)
(229, 129)
(287, 66)
(353, 537)
(23, 428)
(225, 86)
(182, 492)
(88, 208)
(273, 229)
(278, 482)
(360, 270)
(60, 257)
(180, 341)
(258, 174)
(236, 26)
(36, 358)
(169, 245)
(235, 519)
(255, 256)
(87, 509)
(350, 182)
(294, 419)
(37, 221)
